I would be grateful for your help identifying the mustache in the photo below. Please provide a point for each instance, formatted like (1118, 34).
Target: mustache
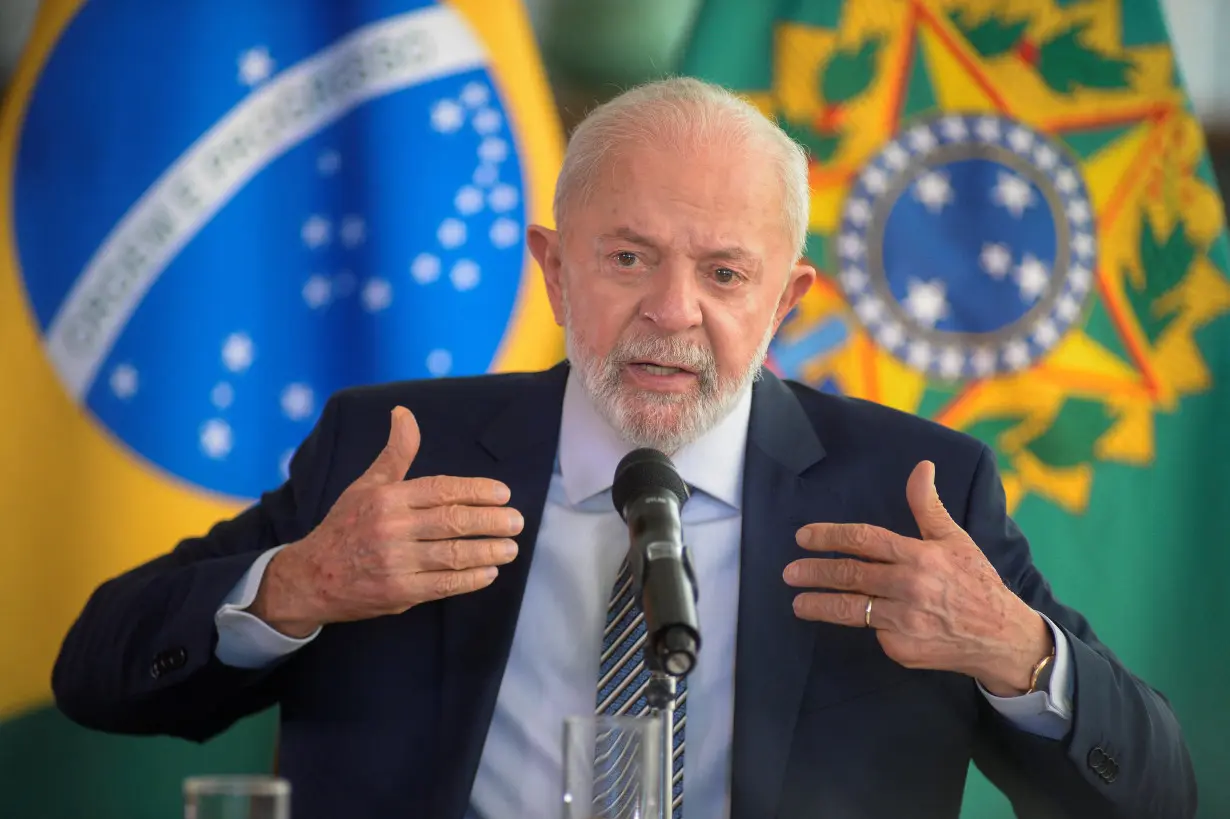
(666, 349)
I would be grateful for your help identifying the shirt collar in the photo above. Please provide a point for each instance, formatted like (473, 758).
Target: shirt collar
(590, 449)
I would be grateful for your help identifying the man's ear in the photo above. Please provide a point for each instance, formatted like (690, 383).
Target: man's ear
(802, 277)
(544, 247)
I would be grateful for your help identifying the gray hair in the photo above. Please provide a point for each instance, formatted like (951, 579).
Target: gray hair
(682, 111)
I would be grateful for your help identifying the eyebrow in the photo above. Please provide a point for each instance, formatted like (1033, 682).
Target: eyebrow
(630, 235)
(733, 253)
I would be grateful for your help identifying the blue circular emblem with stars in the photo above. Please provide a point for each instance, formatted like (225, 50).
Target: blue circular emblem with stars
(967, 246)
(244, 210)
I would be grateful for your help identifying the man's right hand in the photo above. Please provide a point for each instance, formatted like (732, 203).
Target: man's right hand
(389, 544)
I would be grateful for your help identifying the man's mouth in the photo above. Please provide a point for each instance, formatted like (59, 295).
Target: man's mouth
(657, 368)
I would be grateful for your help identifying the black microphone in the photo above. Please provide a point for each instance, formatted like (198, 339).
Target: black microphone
(648, 494)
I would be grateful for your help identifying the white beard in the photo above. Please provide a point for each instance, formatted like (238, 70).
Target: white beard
(643, 418)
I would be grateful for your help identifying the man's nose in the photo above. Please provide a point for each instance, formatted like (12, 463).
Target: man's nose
(673, 300)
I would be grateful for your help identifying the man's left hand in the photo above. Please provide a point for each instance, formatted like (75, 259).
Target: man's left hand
(937, 603)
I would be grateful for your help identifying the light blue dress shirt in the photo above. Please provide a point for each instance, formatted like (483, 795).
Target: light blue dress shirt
(553, 665)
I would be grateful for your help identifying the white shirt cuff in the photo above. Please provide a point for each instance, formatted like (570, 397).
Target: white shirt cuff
(1045, 713)
(245, 640)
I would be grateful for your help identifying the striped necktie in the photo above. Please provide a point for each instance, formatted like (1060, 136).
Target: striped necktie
(622, 681)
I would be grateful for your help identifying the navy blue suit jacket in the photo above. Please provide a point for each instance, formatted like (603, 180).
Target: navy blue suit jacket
(387, 717)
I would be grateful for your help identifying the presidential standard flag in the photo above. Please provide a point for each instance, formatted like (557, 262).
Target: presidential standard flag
(1020, 237)
(214, 215)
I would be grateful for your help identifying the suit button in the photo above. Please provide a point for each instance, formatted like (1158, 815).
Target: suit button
(1096, 759)
(1112, 772)
(170, 660)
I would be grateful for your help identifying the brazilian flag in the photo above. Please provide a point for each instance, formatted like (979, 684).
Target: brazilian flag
(1020, 237)
(213, 214)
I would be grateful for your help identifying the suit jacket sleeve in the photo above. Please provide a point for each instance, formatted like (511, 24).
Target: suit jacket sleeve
(140, 657)
(1119, 724)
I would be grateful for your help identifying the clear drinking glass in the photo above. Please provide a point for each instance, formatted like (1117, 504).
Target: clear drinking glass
(236, 797)
(612, 767)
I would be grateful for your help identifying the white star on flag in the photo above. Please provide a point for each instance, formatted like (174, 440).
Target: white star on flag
(216, 439)
(1016, 354)
(995, 259)
(284, 463)
(922, 140)
(446, 116)
(851, 246)
(895, 156)
(468, 201)
(1066, 180)
(934, 190)
(952, 361)
(485, 175)
(1045, 157)
(328, 163)
(255, 66)
(487, 121)
(875, 179)
(222, 395)
(1013, 193)
(317, 291)
(439, 362)
(1046, 333)
(987, 129)
(493, 149)
(869, 310)
(451, 233)
(502, 198)
(464, 275)
(1020, 140)
(297, 401)
(504, 232)
(354, 231)
(954, 129)
(475, 94)
(854, 280)
(926, 301)
(982, 362)
(1080, 278)
(891, 336)
(1082, 244)
(237, 352)
(859, 211)
(377, 294)
(425, 268)
(1078, 211)
(124, 381)
(1068, 308)
(316, 231)
(919, 354)
(1032, 277)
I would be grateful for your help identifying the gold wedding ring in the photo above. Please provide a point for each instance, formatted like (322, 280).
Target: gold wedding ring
(867, 613)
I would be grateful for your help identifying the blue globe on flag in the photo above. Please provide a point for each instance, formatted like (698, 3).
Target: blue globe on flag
(294, 202)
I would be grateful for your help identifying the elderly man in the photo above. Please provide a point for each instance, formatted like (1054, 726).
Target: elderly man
(427, 596)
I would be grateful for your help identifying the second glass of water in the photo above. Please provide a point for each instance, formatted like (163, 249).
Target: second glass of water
(236, 797)
(612, 768)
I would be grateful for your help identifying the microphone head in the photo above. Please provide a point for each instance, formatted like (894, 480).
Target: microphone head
(645, 470)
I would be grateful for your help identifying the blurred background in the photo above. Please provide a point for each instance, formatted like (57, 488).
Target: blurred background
(592, 48)
(180, 291)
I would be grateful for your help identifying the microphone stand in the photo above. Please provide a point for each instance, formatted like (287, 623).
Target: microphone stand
(660, 694)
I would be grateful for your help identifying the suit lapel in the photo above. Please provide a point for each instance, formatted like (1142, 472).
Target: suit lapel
(789, 481)
(774, 648)
(477, 629)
